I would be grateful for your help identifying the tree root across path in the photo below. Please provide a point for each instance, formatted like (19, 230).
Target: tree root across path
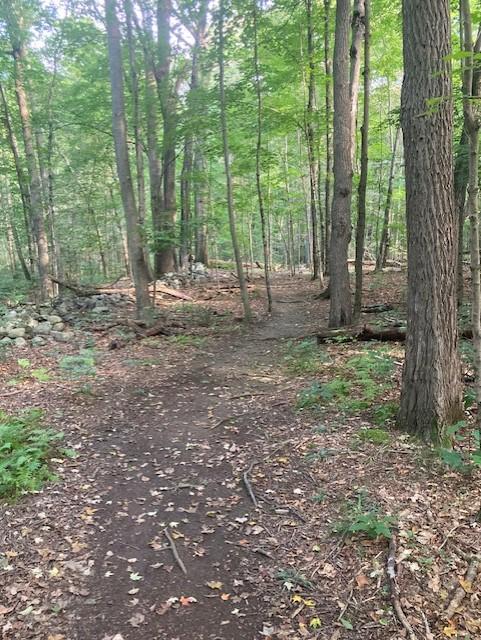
(394, 587)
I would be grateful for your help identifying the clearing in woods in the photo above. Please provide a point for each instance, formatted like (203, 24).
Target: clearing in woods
(152, 534)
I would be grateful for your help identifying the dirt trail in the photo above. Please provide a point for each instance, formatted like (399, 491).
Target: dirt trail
(171, 451)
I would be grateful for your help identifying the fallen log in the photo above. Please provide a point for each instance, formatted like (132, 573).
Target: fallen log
(371, 334)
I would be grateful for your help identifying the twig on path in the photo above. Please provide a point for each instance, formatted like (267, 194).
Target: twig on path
(248, 485)
(464, 588)
(393, 584)
(248, 395)
(175, 553)
(447, 538)
(219, 423)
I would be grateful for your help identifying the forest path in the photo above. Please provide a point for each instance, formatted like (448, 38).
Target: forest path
(171, 448)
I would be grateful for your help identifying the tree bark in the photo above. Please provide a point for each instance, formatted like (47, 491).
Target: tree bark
(362, 192)
(119, 129)
(185, 248)
(340, 313)
(260, 195)
(431, 396)
(225, 144)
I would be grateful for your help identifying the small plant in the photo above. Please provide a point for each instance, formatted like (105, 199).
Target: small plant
(80, 365)
(319, 497)
(304, 357)
(25, 449)
(385, 412)
(364, 519)
(318, 456)
(292, 578)
(310, 397)
(376, 436)
(184, 340)
(464, 454)
(335, 389)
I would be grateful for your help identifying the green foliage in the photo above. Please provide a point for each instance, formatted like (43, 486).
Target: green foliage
(319, 455)
(304, 357)
(376, 436)
(464, 454)
(25, 449)
(292, 577)
(319, 497)
(310, 397)
(365, 519)
(184, 340)
(385, 412)
(80, 365)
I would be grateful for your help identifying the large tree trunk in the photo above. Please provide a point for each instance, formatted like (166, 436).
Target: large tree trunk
(260, 195)
(385, 241)
(362, 192)
(431, 396)
(340, 313)
(36, 204)
(225, 142)
(119, 128)
(185, 248)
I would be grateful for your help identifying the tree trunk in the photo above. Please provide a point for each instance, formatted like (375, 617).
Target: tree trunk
(311, 144)
(358, 28)
(260, 195)
(340, 313)
(384, 243)
(327, 89)
(361, 209)
(36, 204)
(225, 143)
(119, 129)
(471, 126)
(21, 177)
(185, 201)
(431, 396)
(164, 254)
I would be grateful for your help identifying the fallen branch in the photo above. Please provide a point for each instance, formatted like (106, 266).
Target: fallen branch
(394, 587)
(248, 485)
(175, 553)
(464, 588)
(369, 334)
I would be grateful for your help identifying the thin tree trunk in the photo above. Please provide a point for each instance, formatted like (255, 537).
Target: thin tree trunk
(340, 313)
(358, 28)
(119, 128)
(36, 205)
(431, 396)
(260, 195)
(362, 192)
(384, 243)
(471, 126)
(225, 143)
(327, 89)
(185, 201)
(311, 135)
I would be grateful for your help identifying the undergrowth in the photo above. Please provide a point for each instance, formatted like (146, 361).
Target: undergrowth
(25, 449)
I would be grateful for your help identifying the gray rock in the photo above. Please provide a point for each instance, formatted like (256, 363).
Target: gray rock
(6, 341)
(43, 328)
(100, 309)
(31, 322)
(38, 341)
(59, 326)
(11, 314)
(3, 332)
(19, 332)
(62, 336)
(54, 319)
(20, 342)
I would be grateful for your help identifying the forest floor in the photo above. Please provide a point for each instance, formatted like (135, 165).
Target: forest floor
(171, 434)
